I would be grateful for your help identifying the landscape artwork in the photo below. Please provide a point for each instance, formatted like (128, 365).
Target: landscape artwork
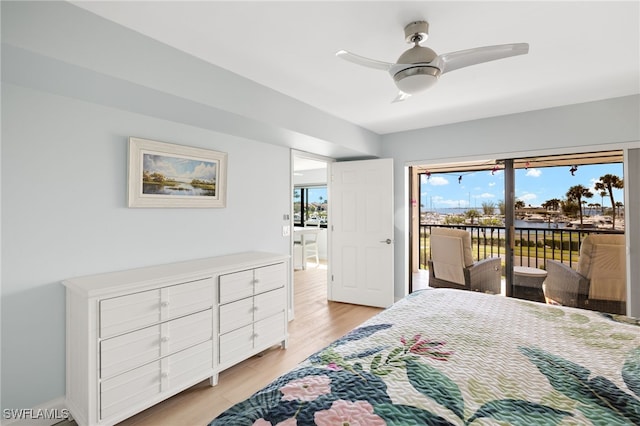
(167, 175)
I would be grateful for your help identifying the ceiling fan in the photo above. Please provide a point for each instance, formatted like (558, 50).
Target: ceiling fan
(419, 68)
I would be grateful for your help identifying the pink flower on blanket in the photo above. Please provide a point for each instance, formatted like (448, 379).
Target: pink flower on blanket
(306, 389)
(432, 348)
(288, 422)
(359, 413)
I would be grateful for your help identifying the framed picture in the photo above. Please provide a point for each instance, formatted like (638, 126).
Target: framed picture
(168, 175)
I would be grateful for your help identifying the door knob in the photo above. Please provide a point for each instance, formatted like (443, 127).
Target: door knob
(388, 241)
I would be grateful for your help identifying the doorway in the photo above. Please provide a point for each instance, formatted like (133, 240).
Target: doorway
(309, 219)
(529, 216)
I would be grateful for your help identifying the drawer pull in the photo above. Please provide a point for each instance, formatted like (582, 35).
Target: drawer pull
(164, 304)
(256, 281)
(165, 339)
(165, 374)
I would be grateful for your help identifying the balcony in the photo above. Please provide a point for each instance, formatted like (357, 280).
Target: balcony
(533, 246)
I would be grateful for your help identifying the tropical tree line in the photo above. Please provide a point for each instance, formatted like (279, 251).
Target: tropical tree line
(576, 195)
(571, 206)
(160, 179)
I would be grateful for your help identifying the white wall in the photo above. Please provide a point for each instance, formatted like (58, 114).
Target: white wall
(607, 124)
(64, 214)
(63, 49)
(632, 227)
(74, 88)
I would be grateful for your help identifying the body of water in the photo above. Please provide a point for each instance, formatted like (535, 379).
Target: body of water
(185, 189)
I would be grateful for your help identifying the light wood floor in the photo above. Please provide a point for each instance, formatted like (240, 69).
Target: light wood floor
(317, 323)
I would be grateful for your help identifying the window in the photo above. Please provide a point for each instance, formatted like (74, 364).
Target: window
(310, 205)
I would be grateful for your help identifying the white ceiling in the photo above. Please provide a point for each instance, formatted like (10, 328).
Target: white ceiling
(579, 52)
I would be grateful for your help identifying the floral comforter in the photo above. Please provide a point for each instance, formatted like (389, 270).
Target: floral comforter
(452, 357)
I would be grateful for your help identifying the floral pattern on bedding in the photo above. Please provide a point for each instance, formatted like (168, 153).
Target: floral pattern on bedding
(449, 357)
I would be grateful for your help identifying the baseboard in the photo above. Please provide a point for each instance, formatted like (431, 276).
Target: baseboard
(46, 414)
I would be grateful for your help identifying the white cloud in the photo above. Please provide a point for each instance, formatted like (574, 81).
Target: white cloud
(534, 172)
(205, 171)
(492, 184)
(527, 197)
(486, 195)
(441, 202)
(592, 186)
(438, 181)
(158, 164)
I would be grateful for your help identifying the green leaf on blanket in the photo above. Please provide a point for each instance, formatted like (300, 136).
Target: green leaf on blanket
(520, 413)
(402, 415)
(596, 394)
(631, 371)
(430, 382)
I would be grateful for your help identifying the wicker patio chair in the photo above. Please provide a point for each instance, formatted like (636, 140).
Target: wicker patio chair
(452, 266)
(599, 281)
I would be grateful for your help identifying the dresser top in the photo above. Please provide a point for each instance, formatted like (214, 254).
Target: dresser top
(138, 279)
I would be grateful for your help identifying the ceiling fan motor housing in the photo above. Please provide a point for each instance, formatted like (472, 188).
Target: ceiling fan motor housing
(418, 75)
(416, 31)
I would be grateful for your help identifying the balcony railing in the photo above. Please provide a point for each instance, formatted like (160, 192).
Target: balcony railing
(533, 246)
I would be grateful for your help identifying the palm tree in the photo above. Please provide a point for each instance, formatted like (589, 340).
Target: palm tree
(552, 204)
(607, 183)
(598, 207)
(602, 195)
(488, 208)
(575, 193)
(472, 214)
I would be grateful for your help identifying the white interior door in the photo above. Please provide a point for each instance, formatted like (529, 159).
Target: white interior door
(361, 219)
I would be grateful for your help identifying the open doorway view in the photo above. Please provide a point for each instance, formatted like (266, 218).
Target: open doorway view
(310, 219)
(548, 219)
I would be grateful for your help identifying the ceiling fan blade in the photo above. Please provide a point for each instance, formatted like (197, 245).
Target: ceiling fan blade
(463, 58)
(361, 60)
(401, 97)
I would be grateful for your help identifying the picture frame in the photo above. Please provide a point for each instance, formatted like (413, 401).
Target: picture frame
(165, 175)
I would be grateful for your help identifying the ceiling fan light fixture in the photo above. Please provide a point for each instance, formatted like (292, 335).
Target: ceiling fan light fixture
(416, 79)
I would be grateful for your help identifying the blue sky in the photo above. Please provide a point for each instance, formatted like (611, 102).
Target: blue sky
(534, 186)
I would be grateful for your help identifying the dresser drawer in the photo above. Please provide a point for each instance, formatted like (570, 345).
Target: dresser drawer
(128, 351)
(270, 277)
(269, 303)
(183, 299)
(269, 331)
(190, 366)
(187, 331)
(121, 314)
(122, 392)
(236, 314)
(127, 313)
(134, 387)
(236, 344)
(236, 286)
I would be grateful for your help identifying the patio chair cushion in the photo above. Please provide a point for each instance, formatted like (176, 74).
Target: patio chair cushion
(451, 254)
(465, 238)
(602, 261)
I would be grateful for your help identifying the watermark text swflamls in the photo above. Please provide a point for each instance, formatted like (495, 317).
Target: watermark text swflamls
(35, 413)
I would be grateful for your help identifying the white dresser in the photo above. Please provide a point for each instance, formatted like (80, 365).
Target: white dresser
(137, 337)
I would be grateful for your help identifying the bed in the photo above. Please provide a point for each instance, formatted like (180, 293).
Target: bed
(454, 357)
